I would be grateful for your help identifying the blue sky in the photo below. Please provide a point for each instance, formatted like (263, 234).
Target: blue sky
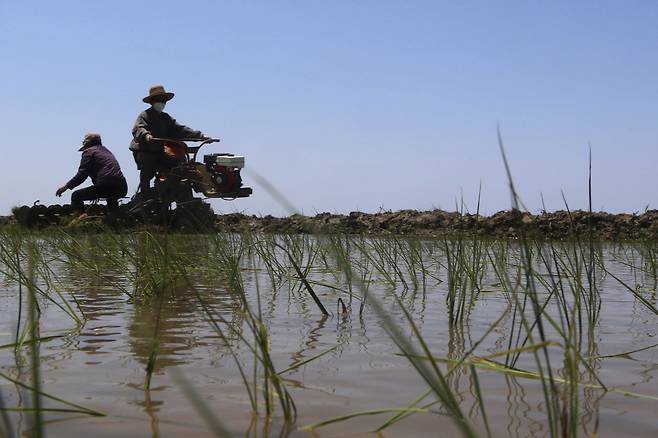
(346, 105)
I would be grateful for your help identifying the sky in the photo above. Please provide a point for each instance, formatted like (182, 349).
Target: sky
(346, 105)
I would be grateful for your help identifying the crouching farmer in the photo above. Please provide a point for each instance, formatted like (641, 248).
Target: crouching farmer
(107, 180)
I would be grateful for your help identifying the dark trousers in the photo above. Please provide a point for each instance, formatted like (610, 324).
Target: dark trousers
(146, 174)
(110, 192)
(149, 164)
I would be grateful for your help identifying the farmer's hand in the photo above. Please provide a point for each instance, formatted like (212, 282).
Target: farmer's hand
(60, 191)
(148, 138)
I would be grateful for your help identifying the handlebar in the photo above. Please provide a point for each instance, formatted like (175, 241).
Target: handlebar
(183, 140)
(194, 150)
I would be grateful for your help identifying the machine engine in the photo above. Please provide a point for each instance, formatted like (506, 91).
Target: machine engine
(220, 176)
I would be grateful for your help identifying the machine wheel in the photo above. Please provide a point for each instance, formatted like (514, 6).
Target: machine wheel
(194, 215)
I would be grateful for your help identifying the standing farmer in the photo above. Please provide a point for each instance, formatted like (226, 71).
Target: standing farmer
(107, 180)
(155, 123)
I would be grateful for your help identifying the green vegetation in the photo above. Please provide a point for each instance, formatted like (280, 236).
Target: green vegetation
(551, 318)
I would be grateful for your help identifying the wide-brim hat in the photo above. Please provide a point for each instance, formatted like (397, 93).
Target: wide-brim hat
(157, 91)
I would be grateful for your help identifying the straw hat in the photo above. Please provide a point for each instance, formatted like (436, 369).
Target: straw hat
(91, 139)
(157, 91)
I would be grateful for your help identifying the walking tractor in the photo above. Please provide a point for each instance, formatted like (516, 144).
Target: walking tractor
(172, 201)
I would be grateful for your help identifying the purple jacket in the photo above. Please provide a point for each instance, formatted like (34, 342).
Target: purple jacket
(98, 163)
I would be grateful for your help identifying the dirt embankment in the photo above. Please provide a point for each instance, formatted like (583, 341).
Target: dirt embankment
(557, 224)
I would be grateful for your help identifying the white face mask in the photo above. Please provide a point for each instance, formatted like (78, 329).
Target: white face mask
(158, 106)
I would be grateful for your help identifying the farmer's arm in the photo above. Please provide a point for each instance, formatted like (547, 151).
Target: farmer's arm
(181, 131)
(83, 171)
(140, 129)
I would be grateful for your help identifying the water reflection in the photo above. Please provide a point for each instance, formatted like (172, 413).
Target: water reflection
(165, 322)
(103, 327)
(310, 341)
(160, 331)
(128, 339)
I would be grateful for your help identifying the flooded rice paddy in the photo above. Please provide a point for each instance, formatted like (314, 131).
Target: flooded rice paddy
(224, 335)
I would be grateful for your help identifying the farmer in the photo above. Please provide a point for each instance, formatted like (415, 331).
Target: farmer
(107, 180)
(155, 123)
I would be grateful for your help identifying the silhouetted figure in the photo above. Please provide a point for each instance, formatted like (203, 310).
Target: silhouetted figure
(155, 123)
(99, 164)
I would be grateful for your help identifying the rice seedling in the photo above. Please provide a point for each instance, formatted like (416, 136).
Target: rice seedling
(544, 300)
(15, 249)
(13, 254)
(229, 252)
(33, 324)
(545, 277)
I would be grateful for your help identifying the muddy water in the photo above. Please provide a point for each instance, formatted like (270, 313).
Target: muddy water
(102, 365)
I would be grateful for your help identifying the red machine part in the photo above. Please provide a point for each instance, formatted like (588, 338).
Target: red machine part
(227, 178)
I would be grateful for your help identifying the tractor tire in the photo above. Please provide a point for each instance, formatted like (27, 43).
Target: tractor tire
(23, 215)
(194, 215)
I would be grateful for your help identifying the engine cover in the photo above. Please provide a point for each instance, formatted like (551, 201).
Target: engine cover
(219, 176)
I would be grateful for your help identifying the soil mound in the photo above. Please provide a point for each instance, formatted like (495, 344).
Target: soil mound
(559, 224)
